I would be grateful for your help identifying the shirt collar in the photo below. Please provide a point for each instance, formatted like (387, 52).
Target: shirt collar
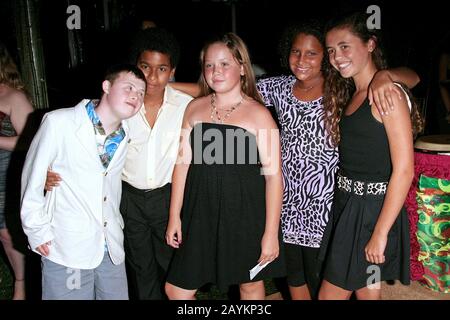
(93, 116)
(169, 98)
(98, 126)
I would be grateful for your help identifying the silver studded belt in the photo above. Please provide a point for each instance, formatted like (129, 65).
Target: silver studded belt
(360, 187)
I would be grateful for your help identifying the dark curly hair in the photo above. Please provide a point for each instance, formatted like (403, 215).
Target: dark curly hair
(311, 27)
(156, 39)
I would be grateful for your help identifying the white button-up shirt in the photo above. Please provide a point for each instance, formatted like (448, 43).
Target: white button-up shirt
(152, 152)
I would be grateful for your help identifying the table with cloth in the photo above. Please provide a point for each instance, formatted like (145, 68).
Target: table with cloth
(428, 207)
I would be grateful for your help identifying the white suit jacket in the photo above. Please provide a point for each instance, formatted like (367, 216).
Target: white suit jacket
(83, 211)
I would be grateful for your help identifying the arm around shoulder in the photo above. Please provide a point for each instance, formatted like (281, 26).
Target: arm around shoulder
(382, 87)
(404, 75)
(190, 88)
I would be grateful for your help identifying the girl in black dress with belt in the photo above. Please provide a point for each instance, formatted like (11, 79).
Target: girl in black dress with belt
(369, 242)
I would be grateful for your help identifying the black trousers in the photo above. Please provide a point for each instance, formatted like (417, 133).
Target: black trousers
(304, 267)
(146, 214)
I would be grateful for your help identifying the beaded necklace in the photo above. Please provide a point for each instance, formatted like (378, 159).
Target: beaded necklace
(215, 116)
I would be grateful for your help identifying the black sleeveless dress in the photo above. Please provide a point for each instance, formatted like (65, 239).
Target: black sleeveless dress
(223, 215)
(364, 156)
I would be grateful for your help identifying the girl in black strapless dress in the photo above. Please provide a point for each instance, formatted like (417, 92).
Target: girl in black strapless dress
(227, 186)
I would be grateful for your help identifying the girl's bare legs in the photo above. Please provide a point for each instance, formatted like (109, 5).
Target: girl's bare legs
(300, 293)
(177, 293)
(372, 293)
(329, 291)
(17, 261)
(252, 290)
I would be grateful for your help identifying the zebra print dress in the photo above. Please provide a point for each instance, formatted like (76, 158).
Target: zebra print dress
(309, 164)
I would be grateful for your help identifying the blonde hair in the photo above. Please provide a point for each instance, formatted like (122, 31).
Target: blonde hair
(239, 51)
(9, 74)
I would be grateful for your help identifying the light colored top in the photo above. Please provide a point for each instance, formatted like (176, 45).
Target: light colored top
(83, 212)
(309, 163)
(152, 152)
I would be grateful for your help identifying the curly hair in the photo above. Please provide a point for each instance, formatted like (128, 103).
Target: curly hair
(338, 91)
(310, 27)
(417, 120)
(9, 74)
(239, 51)
(156, 39)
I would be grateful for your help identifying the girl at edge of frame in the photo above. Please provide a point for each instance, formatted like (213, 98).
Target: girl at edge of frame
(15, 107)
(369, 233)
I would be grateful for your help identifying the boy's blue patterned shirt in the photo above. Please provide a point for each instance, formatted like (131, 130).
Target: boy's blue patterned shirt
(111, 142)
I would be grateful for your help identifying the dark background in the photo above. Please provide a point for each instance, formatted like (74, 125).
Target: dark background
(412, 35)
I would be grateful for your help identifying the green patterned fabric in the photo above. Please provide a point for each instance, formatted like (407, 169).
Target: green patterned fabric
(433, 232)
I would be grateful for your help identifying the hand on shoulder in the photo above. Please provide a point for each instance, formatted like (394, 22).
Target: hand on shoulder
(401, 112)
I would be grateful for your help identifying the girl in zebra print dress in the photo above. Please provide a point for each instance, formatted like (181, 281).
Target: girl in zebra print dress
(309, 162)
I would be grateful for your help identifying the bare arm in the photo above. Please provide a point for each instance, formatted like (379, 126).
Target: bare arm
(191, 88)
(20, 108)
(444, 88)
(270, 155)
(173, 232)
(399, 132)
(404, 75)
(382, 88)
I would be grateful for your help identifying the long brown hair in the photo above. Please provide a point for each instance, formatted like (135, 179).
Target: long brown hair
(338, 90)
(239, 51)
(9, 74)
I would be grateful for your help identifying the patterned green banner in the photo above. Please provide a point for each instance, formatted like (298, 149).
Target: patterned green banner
(433, 232)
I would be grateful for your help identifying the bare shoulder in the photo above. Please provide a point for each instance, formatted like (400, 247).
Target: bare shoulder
(198, 103)
(260, 116)
(196, 109)
(15, 102)
(20, 98)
